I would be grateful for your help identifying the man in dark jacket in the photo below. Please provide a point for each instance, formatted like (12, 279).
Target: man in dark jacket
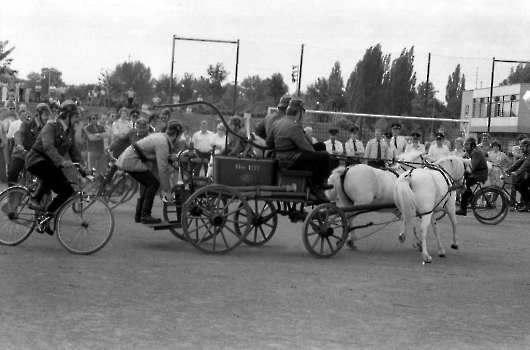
(475, 173)
(522, 168)
(263, 127)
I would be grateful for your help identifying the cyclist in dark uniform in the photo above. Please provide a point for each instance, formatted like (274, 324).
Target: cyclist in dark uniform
(477, 172)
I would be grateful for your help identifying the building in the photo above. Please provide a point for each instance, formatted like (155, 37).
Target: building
(509, 117)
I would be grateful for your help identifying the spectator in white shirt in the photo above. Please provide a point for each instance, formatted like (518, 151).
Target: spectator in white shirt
(354, 147)
(415, 144)
(202, 142)
(121, 126)
(438, 150)
(397, 142)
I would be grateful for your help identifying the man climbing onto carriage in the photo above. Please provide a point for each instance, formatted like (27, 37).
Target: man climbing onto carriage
(475, 173)
(521, 180)
(295, 152)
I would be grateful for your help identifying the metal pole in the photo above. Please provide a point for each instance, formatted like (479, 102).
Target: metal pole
(427, 92)
(171, 76)
(491, 94)
(235, 81)
(300, 70)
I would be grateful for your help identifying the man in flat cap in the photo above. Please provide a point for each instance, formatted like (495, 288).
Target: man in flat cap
(295, 152)
(354, 147)
(438, 150)
(398, 143)
(415, 144)
(263, 127)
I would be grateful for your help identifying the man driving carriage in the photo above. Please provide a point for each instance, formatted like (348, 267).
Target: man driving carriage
(295, 152)
(475, 173)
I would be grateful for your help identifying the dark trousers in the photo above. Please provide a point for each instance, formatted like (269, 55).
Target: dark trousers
(317, 162)
(149, 187)
(201, 166)
(129, 102)
(524, 188)
(467, 193)
(15, 168)
(52, 178)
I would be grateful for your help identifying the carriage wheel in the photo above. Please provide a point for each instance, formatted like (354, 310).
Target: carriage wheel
(490, 206)
(264, 222)
(210, 215)
(325, 230)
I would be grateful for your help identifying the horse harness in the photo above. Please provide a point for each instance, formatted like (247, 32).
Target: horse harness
(343, 176)
(451, 184)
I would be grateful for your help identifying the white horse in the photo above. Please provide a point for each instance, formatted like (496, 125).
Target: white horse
(421, 192)
(362, 184)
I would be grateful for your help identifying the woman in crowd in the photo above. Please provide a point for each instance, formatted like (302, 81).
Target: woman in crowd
(459, 150)
(499, 160)
(219, 139)
(235, 145)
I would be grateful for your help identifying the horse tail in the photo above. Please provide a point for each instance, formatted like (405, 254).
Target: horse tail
(334, 179)
(405, 201)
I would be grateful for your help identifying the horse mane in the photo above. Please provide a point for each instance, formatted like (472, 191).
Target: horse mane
(453, 165)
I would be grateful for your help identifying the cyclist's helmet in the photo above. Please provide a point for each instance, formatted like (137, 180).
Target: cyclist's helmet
(67, 108)
(43, 107)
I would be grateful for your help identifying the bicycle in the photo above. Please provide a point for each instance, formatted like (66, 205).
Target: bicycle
(114, 187)
(83, 224)
(489, 204)
(518, 205)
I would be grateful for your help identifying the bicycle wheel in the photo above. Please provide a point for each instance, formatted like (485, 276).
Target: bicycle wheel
(17, 220)
(118, 192)
(489, 205)
(84, 224)
(133, 188)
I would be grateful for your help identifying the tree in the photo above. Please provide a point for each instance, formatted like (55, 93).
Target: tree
(276, 87)
(217, 75)
(161, 87)
(402, 83)
(364, 85)
(456, 84)
(519, 74)
(50, 77)
(336, 91)
(134, 75)
(186, 87)
(318, 94)
(254, 88)
(5, 60)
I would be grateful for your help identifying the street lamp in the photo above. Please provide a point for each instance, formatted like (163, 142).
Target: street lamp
(432, 122)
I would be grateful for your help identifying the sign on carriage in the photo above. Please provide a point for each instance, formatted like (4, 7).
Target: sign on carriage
(232, 171)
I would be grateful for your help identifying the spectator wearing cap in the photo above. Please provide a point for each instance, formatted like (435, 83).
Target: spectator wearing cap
(376, 150)
(438, 150)
(202, 142)
(398, 143)
(294, 151)
(121, 143)
(136, 160)
(122, 126)
(445, 141)
(415, 144)
(334, 146)
(95, 134)
(164, 118)
(263, 127)
(134, 114)
(354, 147)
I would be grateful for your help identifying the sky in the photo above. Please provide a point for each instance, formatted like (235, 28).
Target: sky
(80, 39)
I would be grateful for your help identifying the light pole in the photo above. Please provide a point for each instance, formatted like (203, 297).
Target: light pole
(432, 122)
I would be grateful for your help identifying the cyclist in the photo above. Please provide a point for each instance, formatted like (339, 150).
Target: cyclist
(48, 156)
(522, 175)
(25, 138)
(475, 173)
(136, 161)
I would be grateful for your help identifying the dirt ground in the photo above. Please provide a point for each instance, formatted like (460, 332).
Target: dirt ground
(149, 290)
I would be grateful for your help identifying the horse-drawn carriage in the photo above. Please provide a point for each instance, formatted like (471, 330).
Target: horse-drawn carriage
(242, 201)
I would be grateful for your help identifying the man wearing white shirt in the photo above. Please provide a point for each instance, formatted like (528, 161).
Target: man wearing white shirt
(438, 150)
(122, 126)
(397, 143)
(202, 142)
(415, 144)
(354, 147)
(334, 146)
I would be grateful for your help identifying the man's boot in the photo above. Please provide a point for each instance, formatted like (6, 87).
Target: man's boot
(138, 213)
(463, 204)
(146, 213)
(36, 199)
(318, 192)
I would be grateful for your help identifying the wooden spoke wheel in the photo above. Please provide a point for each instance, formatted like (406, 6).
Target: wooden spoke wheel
(325, 230)
(264, 222)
